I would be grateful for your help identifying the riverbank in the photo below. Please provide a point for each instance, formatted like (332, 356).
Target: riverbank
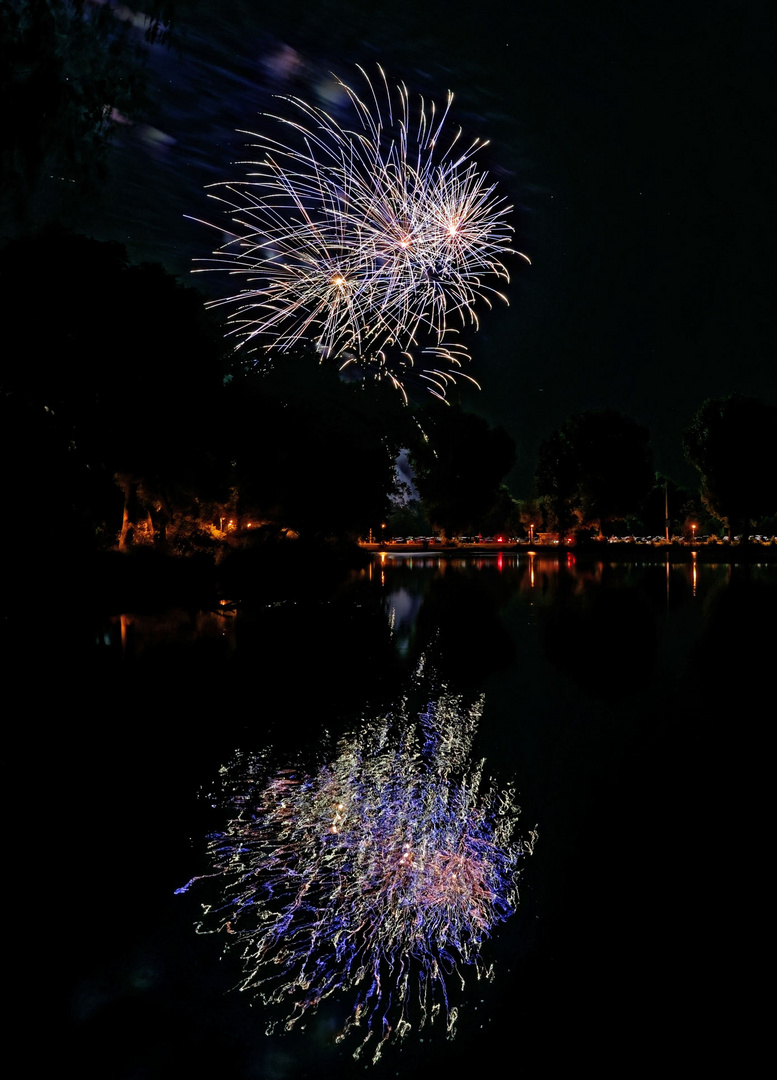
(594, 551)
(145, 579)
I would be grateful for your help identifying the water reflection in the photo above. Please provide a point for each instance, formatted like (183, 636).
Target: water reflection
(598, 622)
(529, 571)
(377, 876)
(135, 633)
(402, 608)
(638, 796)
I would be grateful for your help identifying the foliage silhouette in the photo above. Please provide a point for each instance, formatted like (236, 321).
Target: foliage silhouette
(71, 69)
(595, 469)
(459, 463)
(732, 441)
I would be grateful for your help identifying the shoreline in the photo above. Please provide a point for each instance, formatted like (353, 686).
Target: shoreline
(606, 552)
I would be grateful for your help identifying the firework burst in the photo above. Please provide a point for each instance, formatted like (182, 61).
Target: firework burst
(377, 877)
(373, 242)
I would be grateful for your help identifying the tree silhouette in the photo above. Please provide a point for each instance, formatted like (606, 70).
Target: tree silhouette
(732, 441)
(459, 463)
(123, 367)
(311, 452)
(67, 69)
(596, 468)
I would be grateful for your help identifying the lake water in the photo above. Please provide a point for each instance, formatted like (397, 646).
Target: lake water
(623, 702)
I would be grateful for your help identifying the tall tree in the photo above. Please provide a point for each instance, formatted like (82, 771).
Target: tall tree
(311, 452)
(596, 468)
(67, 69)
(459, 464)
(125, 360)
(732, 441)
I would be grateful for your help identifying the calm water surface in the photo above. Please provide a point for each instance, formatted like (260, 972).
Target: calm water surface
(624, 702)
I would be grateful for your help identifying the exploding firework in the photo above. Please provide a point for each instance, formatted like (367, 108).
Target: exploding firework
(373, 242)
(377, 877)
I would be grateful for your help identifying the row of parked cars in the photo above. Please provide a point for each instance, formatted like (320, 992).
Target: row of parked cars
(430, 541)
(756, 538)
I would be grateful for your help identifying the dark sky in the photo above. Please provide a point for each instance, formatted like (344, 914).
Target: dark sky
(634, 141)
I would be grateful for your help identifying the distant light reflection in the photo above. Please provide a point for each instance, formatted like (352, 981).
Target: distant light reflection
(694, 570)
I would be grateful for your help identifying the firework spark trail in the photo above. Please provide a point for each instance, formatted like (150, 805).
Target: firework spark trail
(384, 871)
(363, 240)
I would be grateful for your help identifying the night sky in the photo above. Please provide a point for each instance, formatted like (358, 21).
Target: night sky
(634, 142)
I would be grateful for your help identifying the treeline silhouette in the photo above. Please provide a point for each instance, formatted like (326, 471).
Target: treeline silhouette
(129, 422)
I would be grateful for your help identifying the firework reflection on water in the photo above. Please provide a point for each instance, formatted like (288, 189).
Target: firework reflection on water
(378, 877)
